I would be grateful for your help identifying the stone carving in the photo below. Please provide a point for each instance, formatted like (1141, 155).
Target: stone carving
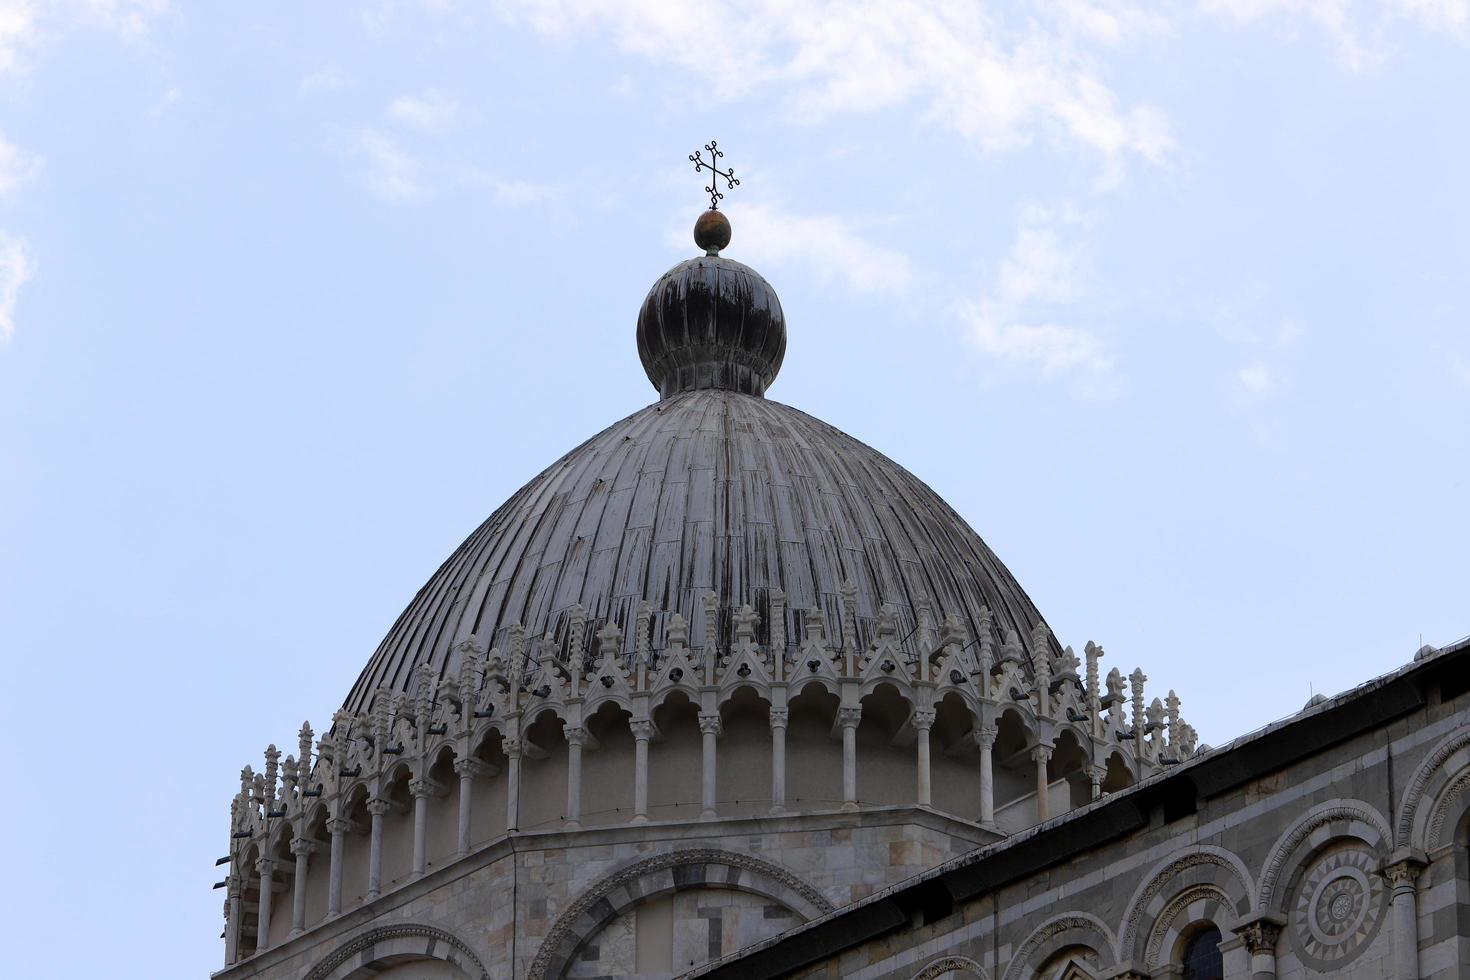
(1349, 810)
(1415, 791)
(951, 964)
(1139, 906)
(1338, 907)
(1434, 831)
(1034, 946)
(466, 959)
(1164, 925)
(563, 936)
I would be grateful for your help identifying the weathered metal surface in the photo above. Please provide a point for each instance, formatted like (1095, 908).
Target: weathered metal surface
(709, 490)
(711, 322)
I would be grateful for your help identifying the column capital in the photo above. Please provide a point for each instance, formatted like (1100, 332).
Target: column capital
(710, 723)
(924, 718)
(473, 768)
(1402, 870)
(985, 737)
(576, 735)
(1260, 932)
(265, 866)
(425, 787)
(340, 825)
(513, 746)
(304, 845)
(1042, 753)
(379, 805)
(850, 717)
(642, 728)
(780, 717)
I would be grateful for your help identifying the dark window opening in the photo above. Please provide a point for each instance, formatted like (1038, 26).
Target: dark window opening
(1202, 960)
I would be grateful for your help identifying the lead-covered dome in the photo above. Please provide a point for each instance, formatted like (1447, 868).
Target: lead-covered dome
(710, 490)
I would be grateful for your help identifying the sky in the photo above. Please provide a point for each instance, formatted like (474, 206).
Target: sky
(1167, 300)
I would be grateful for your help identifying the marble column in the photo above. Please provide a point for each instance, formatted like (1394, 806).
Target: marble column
(1041, 754)
(779, 717)
(423, 790)
(1259, 934)
(1401, 873)
(576, 739)
(267, 868)
(512, 745)
(710, 728)
(337, 827)
(642, 732)
(232, 921)
(985, 740)
(467, 769)
(303, 848)
(923, 721)
(848, 718)
(377, 807)
(1097, 774)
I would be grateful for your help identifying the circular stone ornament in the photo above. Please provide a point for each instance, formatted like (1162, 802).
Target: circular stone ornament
(1339, 906)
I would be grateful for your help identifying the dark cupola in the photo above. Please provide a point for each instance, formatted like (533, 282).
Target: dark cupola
(711, 322)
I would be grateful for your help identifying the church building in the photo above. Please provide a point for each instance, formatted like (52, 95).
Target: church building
(725, 692)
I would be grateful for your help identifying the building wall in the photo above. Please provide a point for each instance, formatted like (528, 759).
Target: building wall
(1311, 849)
(724, 884)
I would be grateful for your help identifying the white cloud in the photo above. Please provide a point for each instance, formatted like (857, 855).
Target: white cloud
(16, 266)
(1001, 77)
(17, 166)
(1045, 277)
(328, 78)
(392, 173)
(1359, 30)
(828, 247)
(26, 25)
(432, 112)
(1460, 369)
(1256, 381)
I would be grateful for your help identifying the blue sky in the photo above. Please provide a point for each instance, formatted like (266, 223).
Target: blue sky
(1169, 301)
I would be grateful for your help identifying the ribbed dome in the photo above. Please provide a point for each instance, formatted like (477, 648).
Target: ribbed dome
(706, 490)
(711, 322)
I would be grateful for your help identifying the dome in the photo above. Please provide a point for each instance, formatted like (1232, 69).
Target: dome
(707, 490)
(711, 322)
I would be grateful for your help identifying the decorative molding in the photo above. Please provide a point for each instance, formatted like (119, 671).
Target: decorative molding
(408, 930)
(1446, 798)
(1045, 933)
(1163, 925)
(1319, 816)
(949, 964)
(1414, 793)
(1172, 869)
(563, 938)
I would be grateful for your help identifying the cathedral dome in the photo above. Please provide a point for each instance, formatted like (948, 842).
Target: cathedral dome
(713, 489)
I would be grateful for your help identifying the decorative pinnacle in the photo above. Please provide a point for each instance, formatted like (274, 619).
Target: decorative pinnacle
(728, 174)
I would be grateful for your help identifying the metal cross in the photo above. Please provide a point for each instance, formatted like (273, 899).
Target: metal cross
(713, 190)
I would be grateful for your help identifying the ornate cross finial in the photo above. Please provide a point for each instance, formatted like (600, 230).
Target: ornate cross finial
(728, 174)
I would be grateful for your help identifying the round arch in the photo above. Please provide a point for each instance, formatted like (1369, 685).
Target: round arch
(1332, 820)
(1446, 765)
(377, 949)
(947, 965)
(620, 891)
(1202, 880)
(1071, 929)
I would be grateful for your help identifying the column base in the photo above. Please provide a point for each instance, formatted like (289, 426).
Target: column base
(639, 818)
(850, 806)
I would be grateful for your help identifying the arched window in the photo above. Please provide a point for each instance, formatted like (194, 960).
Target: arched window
(1202, 960)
